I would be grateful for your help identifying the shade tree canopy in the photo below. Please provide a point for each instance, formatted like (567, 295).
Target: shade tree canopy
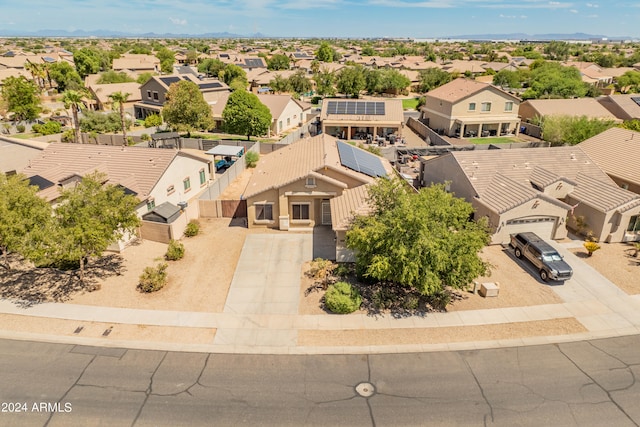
(186, 109)
(244, 114)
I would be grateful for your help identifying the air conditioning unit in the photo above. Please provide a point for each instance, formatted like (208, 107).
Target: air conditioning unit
(183, 205)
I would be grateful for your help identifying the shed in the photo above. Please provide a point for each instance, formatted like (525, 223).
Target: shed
(165, 213)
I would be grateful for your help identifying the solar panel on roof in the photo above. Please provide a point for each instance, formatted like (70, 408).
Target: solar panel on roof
(636, 99)
(360, 161)
(40, 182)
(341, 107)
(360, 108)
(331, 107)
(351, 108)
(169, 80)
(209, 85)
(254, 63)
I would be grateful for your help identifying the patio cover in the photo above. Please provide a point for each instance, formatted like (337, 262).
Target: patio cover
(226, 150)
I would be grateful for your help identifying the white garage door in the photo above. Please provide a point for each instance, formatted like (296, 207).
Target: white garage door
(543, 226)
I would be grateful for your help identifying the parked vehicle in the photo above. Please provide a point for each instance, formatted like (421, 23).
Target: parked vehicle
(542, 255)
(224, 163)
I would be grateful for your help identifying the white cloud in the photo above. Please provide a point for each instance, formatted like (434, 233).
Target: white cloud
(573, 11)
(592, 16)
(178, 21)
(592, 5)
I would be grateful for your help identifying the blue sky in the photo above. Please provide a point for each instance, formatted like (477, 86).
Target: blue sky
(326, 18)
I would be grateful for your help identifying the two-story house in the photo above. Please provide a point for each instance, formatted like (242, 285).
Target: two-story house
(468, 108)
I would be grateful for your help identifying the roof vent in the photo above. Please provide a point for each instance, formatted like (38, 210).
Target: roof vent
(573, 156)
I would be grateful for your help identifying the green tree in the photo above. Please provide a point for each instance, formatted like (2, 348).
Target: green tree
(97, 122)
(552, 80)
(21, 97)
(73, 99)
(564, 129)
(23, 216)
(392, 81)
(232, 73)
(279, 62)
(186, 108)
(143, 78)
(211, 67)
(119, 99)
(629, 82)
(432, 78)
(372, 77)
(90, 217)
(167, 59)
(351, 81)
(299, 82)
(279, 84)
(557, 50)
(325, 80)
(111, 76)
(65, 76)
(424, 241)
(509, 79)
(88, 61)
(244, 114)
(326, 53)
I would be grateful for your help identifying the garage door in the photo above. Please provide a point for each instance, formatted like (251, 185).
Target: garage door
(543, 226)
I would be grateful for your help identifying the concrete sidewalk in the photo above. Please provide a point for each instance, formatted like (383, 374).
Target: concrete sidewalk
(261, 313)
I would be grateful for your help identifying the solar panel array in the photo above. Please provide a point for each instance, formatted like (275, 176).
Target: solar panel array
(360, 161)
(636, 99)
(40, 182)
(209, 85)
(254, 63)
(356, 107)
(170, 80)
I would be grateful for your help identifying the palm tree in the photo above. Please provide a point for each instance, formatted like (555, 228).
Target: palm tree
(73, 99)
(120, 99)
(36, 73)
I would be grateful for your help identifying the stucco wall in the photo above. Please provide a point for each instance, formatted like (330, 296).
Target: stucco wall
(293, 113)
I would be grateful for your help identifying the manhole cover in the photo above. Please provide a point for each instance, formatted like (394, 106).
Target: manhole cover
(365, 389)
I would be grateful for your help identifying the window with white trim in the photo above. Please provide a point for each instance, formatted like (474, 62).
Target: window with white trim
(472, 106)
(203, 177)
(634, 224)
(508, 106)
(264, 211)
(300, 211)
(485, 106)
(310, 182)
(187, 184)
(171, 189)
(151, 203)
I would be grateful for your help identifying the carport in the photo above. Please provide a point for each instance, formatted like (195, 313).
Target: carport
(228, 153)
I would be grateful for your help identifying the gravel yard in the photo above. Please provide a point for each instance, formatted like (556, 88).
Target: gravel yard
(616, 262)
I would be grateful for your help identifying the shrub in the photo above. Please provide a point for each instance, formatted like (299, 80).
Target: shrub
(383, 298)
(193, 228)
(321, 271)
(145, 137)
(342, 270)
(153, 279)
(175, 251)
(591, 247)
(152, 120)
(252, 159)
(49, 128)
(20, 128)
(342, 298)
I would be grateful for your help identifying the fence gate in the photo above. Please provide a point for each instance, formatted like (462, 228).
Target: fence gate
(234, 208)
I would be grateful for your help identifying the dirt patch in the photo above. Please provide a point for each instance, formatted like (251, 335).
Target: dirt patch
(119, 331)
(518, 288)
(439, 335)
(237, 187)
(616, 262)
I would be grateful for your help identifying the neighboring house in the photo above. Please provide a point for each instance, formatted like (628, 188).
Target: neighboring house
(624, 107)
(617, 152)
(138, 63)
(538, 190)
(154, 176)
(576, 107)
(101, 93)
(355, 119)
(469, 108)
(153, 93)
(16, 154)
(300, 186)
(13, 72)
(286, 113)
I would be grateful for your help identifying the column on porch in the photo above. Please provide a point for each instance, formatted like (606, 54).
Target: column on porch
(499, 132)
(517, 132)
(349, 136)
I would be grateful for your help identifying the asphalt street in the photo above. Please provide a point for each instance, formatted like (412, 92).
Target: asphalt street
(572, 384)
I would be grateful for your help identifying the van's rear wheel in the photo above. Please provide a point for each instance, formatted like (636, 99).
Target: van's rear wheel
(543, 275)
(518, 253)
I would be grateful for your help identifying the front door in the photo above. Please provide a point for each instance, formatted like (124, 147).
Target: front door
(326, 212)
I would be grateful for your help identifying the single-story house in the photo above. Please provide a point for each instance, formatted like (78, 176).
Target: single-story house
(577, 107)
(286, 112)
(16, 154)
(624, 107)
(101, 93)
(312, 182)
(355, 118)
(542, 190)
(155, 176)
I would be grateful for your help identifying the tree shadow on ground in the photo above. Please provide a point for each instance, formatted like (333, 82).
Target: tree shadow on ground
(27, 285)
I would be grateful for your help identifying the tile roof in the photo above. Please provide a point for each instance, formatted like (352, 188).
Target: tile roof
(602, 195)
(617, 152)
(136, 167)
(589, 107)
(102, 91)
(275, 103)
(630, 108)
(461, 88)
(299, 160)
(392, 108)
(350, 203)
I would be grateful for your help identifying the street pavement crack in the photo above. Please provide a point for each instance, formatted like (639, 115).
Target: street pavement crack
(607, 392)
(149, 389)
(75, 383)
(484, 396)
(627, 367)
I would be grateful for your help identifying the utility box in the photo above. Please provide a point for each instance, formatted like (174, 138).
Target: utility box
(489, 289)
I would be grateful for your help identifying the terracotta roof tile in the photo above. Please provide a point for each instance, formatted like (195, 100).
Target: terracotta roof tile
(617, 152)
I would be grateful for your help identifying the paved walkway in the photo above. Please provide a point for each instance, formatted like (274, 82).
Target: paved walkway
(261, 311)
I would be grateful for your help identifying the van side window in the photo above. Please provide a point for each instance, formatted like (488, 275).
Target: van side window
(534, 251)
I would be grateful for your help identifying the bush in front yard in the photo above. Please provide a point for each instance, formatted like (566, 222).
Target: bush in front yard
(153, 279)
(342, 298)
(193, 228)
(175, 251)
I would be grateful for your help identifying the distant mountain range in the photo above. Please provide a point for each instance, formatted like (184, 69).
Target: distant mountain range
(227, 35)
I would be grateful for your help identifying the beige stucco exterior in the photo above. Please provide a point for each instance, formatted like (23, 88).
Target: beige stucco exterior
(465, 117)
